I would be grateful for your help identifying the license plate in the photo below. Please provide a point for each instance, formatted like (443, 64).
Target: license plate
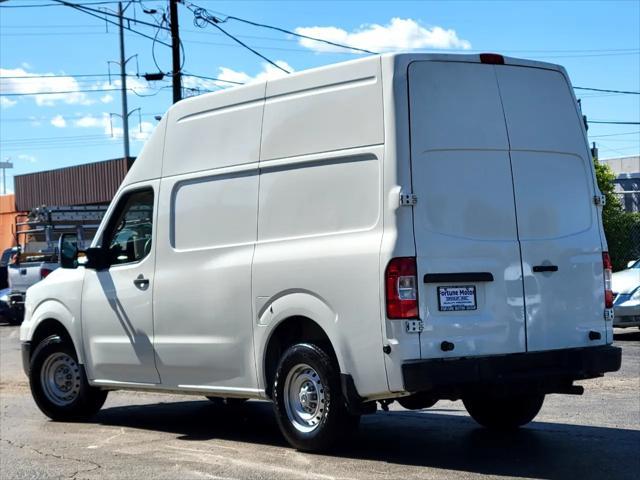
(451, 299)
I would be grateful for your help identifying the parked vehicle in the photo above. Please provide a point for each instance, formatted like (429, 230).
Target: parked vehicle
(626, 291)
(408, 226)
(37, 234)
(4, 266)
(5, 309)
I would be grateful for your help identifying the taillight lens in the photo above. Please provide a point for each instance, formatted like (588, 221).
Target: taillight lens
(44, 272)
(608, 292)
(402, 288)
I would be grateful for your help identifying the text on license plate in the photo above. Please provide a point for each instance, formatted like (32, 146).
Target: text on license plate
(457, 298)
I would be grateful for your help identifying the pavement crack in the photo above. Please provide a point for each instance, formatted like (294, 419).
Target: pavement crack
(92, 465)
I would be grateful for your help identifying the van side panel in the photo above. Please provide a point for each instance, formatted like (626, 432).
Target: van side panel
(335, 108)
(207, 222)
(319, 225)
(214, 131)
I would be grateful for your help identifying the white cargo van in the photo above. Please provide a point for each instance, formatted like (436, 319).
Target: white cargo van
(410, 226)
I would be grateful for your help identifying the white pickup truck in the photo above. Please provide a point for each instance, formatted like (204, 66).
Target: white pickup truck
(28, 269)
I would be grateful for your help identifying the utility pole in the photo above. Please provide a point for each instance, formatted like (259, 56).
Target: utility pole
(4, 165)
(175, 51)
(123, 81)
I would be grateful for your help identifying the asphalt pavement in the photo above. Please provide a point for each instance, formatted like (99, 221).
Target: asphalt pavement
(152, 436)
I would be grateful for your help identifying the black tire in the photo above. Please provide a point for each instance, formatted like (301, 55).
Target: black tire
(83, 402)
(15, 317)
(333, 419)
(504, 413)
(227, 402)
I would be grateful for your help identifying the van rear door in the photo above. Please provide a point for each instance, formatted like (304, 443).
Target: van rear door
(468, 257)
(558, 222)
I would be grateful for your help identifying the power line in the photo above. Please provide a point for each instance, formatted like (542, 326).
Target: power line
(212, 78)
(55, 4)
(100, 14)
(3, 94)
(54, 75)
(72, 118)
(613, 123)
(615, 134)
(202, 15)
(205, 15)
(61, 92)
(626, 92)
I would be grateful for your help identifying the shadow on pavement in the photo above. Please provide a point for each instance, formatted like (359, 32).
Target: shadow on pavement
(628, 335)
(436, 440)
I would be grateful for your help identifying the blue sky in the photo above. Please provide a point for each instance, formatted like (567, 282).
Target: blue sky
(597, 41)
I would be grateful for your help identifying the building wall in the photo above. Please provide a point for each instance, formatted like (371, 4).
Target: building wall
(8, 214)
(627, 171)
(88, 184)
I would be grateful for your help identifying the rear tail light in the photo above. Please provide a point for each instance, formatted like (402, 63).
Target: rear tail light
(608, 292)
(492, 58)
(44, 272)
(401, 288)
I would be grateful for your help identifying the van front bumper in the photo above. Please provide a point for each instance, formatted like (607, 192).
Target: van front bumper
(550, 371)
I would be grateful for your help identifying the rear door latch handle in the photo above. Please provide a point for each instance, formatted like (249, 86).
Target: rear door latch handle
(545, 268)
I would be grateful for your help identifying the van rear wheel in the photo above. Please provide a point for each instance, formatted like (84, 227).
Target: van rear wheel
(59, 384)
(503, 413)
(307, 398)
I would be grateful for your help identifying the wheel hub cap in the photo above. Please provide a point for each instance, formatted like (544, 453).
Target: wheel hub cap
(60, 378)
(304, 398)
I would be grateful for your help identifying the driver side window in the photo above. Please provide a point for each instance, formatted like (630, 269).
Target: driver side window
(128, 237)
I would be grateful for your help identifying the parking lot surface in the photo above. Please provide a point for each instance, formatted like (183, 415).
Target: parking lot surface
(151, 436)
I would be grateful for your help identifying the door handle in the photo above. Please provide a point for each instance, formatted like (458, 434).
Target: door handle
(141, 282)
(545, 268)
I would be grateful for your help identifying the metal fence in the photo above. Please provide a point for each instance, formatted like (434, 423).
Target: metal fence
(634, 244)
(630, 200)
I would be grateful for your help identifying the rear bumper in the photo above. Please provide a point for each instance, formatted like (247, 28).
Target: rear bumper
(548, 371)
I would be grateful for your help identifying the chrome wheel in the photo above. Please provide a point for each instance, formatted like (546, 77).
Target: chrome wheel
(304, 398)
(60, 379)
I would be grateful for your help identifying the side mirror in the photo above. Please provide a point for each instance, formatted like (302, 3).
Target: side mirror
(631, 263)
(68, 250)
(15, 256)
(97, 258)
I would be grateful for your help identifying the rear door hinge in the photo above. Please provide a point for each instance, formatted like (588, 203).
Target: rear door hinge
(408, 199)
(600, 200)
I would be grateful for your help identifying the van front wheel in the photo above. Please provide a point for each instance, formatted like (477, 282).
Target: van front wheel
(503, 413)
(307, 399)
(59, 384)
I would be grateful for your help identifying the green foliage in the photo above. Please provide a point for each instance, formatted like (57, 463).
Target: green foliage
(621, 228)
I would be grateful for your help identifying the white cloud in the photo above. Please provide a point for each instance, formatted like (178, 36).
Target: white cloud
(142, 131)
(43, 82)
(399, 34)
(27, 158)
(234, 77)
(106, 98)
(7, 102)
(58, 121)
(91, 121)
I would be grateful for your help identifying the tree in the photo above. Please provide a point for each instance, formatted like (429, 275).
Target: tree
(621, 228)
